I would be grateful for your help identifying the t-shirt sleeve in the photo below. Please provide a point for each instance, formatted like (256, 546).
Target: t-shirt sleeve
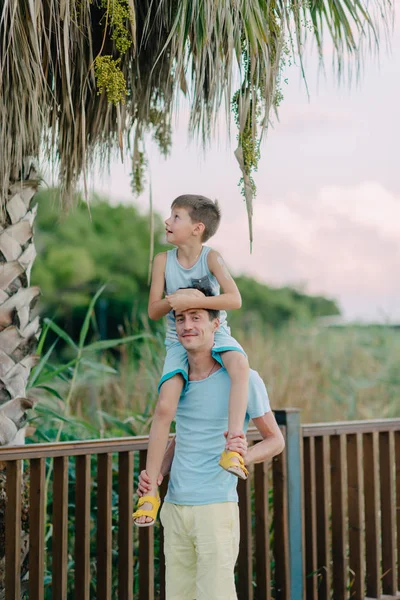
(258, 403)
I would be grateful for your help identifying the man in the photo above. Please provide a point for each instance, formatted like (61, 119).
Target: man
(200, 514)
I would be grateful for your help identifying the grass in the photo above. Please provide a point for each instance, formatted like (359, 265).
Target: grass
(330, 374)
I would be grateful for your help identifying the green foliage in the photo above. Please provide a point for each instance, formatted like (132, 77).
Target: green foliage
(110, 79)
(121, 14)
(162, 133)
(247, 139)
(139, 164)
(57, 384)
(78, 254)
(265, 306)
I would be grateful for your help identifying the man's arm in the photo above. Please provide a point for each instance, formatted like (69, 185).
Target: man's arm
(272, 443)
(168, 458)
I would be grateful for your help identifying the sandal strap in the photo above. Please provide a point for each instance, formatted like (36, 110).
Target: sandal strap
(150, 512)
(227, 461)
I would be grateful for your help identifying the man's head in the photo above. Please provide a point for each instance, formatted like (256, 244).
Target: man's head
(192, 215)
(196, 327)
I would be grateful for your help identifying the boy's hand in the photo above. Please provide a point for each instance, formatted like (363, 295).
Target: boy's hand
(237, 444)
(144, 486)
(183, 301)
(190, 292)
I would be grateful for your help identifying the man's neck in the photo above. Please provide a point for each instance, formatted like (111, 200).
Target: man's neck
(201, 364)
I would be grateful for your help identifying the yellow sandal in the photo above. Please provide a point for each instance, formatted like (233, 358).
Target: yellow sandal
(230, 465)
(151, 512)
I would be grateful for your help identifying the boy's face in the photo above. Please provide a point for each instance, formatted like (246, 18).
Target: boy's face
(180, 227)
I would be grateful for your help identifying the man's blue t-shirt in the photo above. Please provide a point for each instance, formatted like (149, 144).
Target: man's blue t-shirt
(201, 419)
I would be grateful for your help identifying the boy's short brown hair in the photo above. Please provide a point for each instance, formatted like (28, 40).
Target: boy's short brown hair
(201, 210)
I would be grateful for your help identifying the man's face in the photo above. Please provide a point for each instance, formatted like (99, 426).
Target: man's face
(195, 330)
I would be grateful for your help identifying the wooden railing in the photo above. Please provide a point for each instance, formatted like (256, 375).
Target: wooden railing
(352, 509)
(80, 548)
(318, 522)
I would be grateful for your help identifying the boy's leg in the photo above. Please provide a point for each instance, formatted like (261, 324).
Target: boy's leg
(163, 415)
(238, 369)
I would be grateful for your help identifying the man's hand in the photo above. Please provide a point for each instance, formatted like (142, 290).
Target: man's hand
(144, 486)
(184, 299)
(237, 444)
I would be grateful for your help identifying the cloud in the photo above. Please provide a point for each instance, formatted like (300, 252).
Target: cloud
(344, 242)
(306, 118)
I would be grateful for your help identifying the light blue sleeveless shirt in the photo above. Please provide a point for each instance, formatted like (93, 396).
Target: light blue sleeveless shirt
(198, 275)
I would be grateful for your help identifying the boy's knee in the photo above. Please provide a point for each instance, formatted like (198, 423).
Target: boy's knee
(165, 409)
(169, 398)
(237, 365)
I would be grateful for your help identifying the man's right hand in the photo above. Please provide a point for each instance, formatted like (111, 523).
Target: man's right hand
(144, 486)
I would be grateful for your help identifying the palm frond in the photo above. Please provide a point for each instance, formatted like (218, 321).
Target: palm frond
(49, 100)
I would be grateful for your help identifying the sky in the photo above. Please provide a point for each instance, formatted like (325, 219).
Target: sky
(327, 212)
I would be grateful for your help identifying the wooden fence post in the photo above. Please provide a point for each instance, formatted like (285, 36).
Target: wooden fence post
(290, 419)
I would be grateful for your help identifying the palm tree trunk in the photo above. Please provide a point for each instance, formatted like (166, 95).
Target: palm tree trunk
(19, 330)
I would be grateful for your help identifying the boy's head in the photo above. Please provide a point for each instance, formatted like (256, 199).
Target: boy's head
(202, 211)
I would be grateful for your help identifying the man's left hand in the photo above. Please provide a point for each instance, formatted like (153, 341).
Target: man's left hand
(237, 444)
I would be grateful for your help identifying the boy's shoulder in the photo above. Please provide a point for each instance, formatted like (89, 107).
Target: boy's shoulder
(160, 257)
(159, 262)
(213, 255)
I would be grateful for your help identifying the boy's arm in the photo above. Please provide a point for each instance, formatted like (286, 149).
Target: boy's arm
(158, 306)
(272, 443)
(230, 298)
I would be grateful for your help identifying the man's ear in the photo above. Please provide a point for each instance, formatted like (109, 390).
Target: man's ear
(216, 323)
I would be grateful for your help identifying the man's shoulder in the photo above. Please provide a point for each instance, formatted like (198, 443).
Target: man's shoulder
(255, 376)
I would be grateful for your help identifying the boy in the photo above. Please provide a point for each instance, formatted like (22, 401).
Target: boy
(194, 219)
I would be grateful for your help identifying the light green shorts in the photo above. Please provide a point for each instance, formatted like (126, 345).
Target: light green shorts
(201, 549)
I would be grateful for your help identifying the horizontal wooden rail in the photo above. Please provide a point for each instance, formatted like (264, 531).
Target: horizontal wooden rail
(100, 446)
(48, 450)
(346, 427)
(85, 447)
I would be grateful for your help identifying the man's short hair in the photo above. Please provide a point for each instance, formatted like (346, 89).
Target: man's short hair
(201, 210)
(213, 313)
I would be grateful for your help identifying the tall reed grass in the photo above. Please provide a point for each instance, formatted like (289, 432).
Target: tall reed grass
(330, 374)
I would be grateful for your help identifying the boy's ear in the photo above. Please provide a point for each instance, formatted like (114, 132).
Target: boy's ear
(199, 229)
